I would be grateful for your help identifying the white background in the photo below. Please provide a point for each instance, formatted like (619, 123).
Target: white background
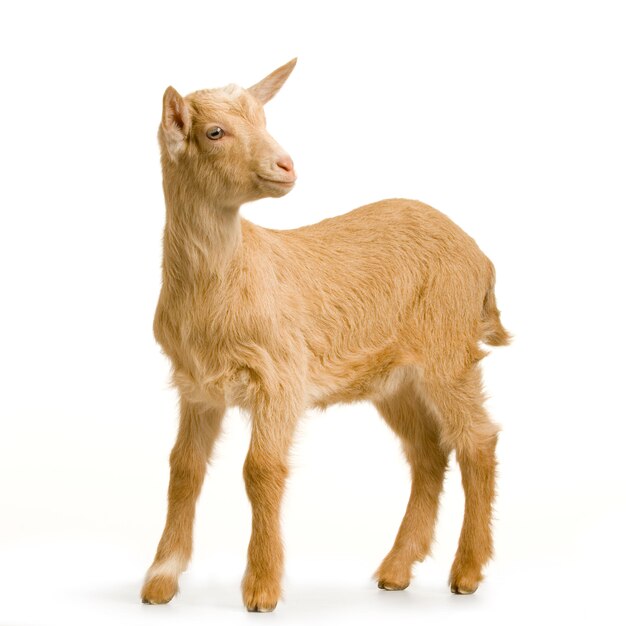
(509, 117)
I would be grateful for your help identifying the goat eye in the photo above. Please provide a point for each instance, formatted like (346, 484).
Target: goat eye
(215, 133)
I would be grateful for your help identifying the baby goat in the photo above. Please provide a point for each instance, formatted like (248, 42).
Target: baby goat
(387, 303)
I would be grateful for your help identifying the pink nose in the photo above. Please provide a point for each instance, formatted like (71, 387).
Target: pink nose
(285, 163)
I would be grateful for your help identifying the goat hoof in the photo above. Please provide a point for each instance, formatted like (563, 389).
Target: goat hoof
(159, 590)
(464, 577)
(462, 591)
(459, 591)
(394, 573)
(260, 596)
(260, 609)
(390, 586)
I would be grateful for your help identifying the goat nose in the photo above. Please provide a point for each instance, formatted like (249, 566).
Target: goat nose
(285, 163)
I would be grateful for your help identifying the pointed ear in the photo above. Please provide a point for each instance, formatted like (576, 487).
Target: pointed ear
(176, 122)
(266, 89)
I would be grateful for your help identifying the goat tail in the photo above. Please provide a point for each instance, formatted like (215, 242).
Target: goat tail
(492, 331)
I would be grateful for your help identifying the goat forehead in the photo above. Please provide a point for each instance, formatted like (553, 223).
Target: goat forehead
(229, 100)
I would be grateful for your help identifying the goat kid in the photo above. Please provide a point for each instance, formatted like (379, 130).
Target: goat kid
(387, 303)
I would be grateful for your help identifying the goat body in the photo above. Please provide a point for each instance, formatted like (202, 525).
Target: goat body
(387, 303)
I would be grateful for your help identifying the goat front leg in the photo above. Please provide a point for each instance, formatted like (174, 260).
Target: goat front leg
(265, 473)
(198, 430)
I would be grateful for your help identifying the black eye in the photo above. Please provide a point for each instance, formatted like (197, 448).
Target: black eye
(215, 133)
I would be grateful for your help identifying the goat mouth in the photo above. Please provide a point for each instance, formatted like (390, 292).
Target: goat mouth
(275, 181)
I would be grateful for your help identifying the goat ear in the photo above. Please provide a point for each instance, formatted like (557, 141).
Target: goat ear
(266, 89)
(176, 121)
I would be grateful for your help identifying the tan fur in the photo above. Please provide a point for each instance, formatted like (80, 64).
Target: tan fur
(388, 303)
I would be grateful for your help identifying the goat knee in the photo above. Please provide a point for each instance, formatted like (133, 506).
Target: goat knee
(264, 478)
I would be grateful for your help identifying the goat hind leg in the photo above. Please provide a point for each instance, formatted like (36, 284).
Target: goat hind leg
(418, 430)
(467, 428)
(475, 543)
